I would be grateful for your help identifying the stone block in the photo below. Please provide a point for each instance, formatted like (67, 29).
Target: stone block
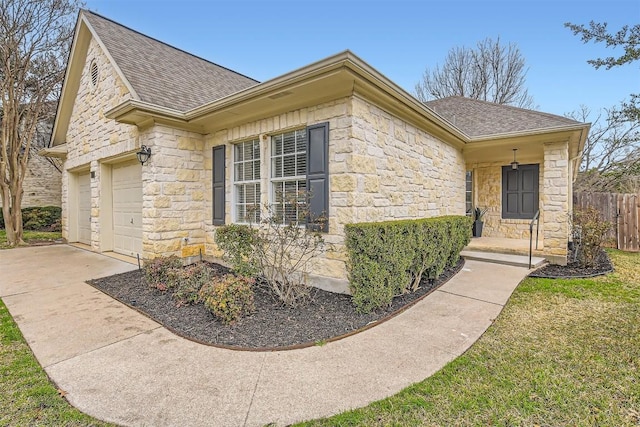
(362, 164)
(187, 175)
(192, 250)
(162, 202)
(343, 183)
(172, 188)
(371, 184)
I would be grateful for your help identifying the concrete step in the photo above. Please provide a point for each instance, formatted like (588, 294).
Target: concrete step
(499, 258)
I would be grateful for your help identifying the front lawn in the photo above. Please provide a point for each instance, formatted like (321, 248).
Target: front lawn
(563, 352)
(32, 237)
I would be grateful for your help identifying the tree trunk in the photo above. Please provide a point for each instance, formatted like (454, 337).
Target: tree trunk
(12, 217)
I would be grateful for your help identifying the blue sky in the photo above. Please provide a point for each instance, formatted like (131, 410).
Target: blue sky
(264, 39)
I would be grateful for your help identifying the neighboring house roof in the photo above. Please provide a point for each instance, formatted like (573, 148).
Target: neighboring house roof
(164, 75)
(483, 119)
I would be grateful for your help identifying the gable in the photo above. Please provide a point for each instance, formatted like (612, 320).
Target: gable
(161, 74)
(99, 89)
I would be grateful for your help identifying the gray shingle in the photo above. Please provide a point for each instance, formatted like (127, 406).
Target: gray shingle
(163, 75)
(481, 119)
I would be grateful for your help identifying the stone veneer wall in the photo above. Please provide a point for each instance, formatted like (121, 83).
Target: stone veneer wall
(91, 136)
(42, 184)
(173, 205)
(554, 203)
(381, 168)
(556, 200)
(487, 181)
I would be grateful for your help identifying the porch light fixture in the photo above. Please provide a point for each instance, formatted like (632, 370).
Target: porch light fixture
(514, 164)
(144, 154)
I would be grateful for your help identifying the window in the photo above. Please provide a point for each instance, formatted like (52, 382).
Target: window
(520, 191)
(469, 193)
(246, 176)
(288, 175)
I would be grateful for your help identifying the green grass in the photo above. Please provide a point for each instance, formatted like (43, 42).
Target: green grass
(31, 236)
(563, 352)
(28, 398)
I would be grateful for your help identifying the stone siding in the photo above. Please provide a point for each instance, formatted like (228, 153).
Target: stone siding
(556, 201)
(173, 205)
(42, 184)
(380, 168)
(91, 136)
(487, 182)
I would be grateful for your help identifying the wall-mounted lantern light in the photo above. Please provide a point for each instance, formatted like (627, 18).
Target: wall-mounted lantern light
(514, 164)
(144, 154)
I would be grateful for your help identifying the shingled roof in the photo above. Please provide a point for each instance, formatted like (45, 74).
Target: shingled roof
(161, 74)
(482, 119)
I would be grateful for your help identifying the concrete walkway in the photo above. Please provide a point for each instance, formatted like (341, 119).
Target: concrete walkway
(117, 365)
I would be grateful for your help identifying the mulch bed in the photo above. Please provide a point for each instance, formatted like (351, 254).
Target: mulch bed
(326, 317)
(573, 270)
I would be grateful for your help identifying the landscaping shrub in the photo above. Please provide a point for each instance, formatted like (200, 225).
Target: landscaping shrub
(390, 258)
(187, 281)
(159, 272)
(238, 242)
(43, 218)
(279, 251)
(228, 297)
(590, 229)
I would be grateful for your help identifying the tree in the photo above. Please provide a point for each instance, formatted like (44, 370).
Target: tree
(628, 38)
(611, 155)
(35, 37)
(490, 72)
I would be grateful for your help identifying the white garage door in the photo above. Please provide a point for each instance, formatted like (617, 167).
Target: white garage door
(84, 209)
(127, 208)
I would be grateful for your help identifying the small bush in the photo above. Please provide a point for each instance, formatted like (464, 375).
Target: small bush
(279, 250)
(390, 258)
(238, 243)
(229, 297)
(44, 218)
(590, 230)
(187, 282)
(159, 272)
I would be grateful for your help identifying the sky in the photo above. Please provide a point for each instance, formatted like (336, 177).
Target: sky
(400, 39)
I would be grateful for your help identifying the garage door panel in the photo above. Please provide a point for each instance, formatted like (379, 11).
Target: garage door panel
(84, 209)
(127, 208)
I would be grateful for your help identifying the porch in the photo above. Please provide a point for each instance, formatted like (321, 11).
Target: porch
(504, 250)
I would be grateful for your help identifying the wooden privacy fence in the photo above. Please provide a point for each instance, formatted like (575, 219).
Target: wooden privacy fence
(622, 210)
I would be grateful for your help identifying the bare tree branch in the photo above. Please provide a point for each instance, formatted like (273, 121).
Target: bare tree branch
(490, 72)
(611, 155)
(35, 37)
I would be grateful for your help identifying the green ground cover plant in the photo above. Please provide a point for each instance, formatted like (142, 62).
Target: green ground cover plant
(32, 237)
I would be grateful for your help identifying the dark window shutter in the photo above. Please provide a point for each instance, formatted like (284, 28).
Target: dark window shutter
(520, 193)
(318, 176)
(218, 185)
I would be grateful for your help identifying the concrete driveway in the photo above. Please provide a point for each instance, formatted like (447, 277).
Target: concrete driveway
(117, 365)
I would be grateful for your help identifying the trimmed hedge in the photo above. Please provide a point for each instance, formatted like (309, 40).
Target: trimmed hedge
(390, 258)
(44, 218)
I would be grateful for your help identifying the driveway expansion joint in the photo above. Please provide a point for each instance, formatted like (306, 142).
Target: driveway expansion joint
(472, 298)
(255, 388)
(146, 331)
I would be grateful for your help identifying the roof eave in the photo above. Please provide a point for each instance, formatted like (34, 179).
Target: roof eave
(59, 151)
(142, 114)
(532, 132)
(371, 82)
